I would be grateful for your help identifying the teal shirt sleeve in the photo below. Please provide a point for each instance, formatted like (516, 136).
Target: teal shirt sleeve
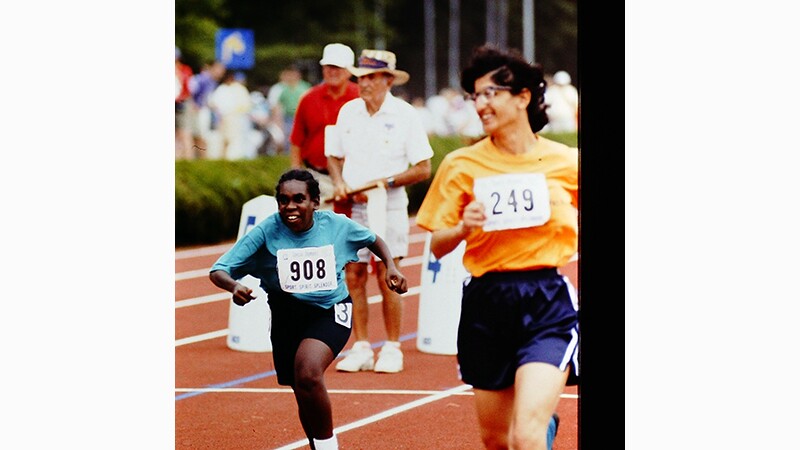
(246, 256)
(356, 237)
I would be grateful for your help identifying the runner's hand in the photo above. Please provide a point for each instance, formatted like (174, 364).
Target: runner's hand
(396, 281)
(242, 294)
(474, 216)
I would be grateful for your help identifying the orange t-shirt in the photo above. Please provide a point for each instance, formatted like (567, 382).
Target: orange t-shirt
(550, 244)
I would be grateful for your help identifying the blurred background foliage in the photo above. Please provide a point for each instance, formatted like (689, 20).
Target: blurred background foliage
(209, 194)
(294, 32)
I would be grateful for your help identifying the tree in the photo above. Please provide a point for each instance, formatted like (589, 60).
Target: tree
(295, 32)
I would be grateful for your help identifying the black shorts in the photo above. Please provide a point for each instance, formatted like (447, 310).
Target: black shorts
(512, 318)
(293, 321)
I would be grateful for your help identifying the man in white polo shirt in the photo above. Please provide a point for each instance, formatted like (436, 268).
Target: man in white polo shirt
(378, 139)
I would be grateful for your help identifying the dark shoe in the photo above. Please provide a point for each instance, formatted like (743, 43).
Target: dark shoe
(558, 420)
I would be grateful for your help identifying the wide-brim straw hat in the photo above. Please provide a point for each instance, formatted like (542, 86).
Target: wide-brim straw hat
(372, 61)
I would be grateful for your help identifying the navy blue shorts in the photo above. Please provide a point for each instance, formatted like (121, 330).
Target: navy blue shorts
(512, 318)
(293, 321)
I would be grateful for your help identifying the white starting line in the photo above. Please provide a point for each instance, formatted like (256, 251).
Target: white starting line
(414, 290)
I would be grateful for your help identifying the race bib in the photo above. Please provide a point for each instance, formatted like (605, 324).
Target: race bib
(307, 269)
(513, 201)
(343, 314)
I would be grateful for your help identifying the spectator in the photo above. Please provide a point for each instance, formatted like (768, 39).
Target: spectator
(438, 107)
(514, 190)
(274, 94)
(285, 95)
(377, 137)
(318, 109)
(274, 126)
(311, 318)
(562, 100)
(460, 115)
(230, 102)
(202, 85)
(183, 109)
(426, 115)
(260, 116)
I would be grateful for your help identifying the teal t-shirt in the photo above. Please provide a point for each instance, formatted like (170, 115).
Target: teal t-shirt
(299, 263)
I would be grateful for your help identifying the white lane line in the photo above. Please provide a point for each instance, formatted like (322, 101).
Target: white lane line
(202, 300)
(334, 391)
(222, 248)
(411, 261)
(226, 296)
(330, 391)
(215, 334)
(201, 337)
(203, 251)
(200, 273)
(386, 414)
(413, 238)
(378, 298)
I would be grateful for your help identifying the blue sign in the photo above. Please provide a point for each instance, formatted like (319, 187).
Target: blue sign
(251, 222)
(434, 266)
(235, 47)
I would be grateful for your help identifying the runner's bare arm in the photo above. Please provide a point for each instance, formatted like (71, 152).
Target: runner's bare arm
(335, 171)
(241, 293)
(446, 240)
(394, 278)
(420, 171)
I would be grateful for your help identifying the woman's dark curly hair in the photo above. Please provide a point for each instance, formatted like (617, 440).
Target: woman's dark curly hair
(509, 68)
(300, 175)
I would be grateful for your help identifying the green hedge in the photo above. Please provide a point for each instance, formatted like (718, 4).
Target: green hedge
(209, 194)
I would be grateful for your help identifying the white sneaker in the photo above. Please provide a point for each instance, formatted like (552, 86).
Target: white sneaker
(390, 358)
(361, 357)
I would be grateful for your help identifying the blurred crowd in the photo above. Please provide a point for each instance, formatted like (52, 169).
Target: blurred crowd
(563, 111)
(218, 117)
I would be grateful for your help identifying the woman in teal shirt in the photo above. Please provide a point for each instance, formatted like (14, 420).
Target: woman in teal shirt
(299, 255)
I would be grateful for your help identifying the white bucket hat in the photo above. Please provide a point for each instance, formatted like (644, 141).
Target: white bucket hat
(562, 78)
(338, 55)
(372, 61)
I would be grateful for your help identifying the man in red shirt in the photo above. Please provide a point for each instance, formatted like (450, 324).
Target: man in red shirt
(319, 108)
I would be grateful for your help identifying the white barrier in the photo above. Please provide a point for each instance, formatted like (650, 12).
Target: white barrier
(440, 300)
(249, 325)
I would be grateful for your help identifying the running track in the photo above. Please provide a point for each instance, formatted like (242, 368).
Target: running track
(228, 399)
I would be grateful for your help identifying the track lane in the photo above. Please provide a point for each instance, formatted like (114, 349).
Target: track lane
(233, 417)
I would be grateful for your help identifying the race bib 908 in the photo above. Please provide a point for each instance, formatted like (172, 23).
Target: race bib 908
(513, 201)
(307, 269)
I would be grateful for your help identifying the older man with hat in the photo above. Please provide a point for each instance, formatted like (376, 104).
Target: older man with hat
(379, 140)
(319, 108)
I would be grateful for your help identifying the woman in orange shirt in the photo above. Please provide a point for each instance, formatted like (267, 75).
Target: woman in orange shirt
(513, 197)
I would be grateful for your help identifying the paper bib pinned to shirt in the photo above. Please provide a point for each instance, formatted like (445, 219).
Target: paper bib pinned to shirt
(512, 201)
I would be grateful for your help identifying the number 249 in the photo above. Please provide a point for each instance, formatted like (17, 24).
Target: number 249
(526, 203)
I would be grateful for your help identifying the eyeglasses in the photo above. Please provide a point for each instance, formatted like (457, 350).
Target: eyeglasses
(489, 93)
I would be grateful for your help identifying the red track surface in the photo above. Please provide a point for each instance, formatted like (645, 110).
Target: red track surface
(228, 399)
